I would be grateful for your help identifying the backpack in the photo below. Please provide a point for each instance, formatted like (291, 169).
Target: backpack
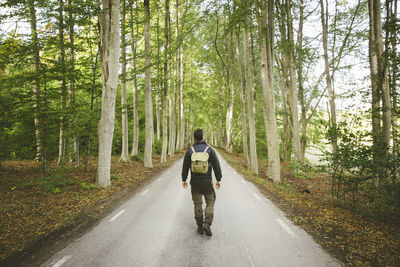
(200, 161)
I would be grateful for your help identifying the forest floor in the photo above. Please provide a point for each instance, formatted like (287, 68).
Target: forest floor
(305, 197)
(39, 209)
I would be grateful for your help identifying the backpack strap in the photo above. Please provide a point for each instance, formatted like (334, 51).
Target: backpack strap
(193, 149)
(206, 148)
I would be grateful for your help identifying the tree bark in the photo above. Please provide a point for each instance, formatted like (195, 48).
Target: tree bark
(124, 109)
(62, 139)
(332, 106)
(242, 102)
(383, 81)
(229, 112)
(373, 65)
(135, 130)
(110, 52)
(293, 86)
(250, 96)
(75, 141)
(299, 45)
(266, 34)
(157, 98)
(147, 90)
(165, 85)
(36, 84)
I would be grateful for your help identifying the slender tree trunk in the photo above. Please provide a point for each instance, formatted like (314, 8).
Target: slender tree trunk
(157, 98)
(124, 109)
(62, 139)
(229, 112)
(293, 87)
(266, 34)
(172, 120)
(75, 141)
(332, 106)
(287, 128)
(383, 81)
(94, 68)
(178, 80)
(181, 106)
(286, 92)
(36, 84)
(394, 77)
(165, 85)
(373, 61)
(147, 90)
(242, 102)
(250, 96)
(109, 56)
(299, 45)
(135, 130)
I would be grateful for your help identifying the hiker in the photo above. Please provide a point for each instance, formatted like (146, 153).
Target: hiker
(201, 159)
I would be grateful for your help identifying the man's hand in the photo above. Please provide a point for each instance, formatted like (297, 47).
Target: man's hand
(184, 184)
(218, 184)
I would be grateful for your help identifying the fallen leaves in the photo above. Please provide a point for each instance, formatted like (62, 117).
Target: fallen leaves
(352, 238)
(35, 203)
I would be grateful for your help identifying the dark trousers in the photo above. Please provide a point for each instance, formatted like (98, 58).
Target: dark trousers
(198, 191)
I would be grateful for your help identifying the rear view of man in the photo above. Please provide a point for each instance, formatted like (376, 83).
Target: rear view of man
(201, 159)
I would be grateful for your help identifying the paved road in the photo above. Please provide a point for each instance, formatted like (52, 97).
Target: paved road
(156, 228)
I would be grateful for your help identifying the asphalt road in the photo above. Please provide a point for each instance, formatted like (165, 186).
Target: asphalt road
(156, 227)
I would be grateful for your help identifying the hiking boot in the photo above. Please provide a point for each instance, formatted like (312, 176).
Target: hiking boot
(200, 230)
(207, 229)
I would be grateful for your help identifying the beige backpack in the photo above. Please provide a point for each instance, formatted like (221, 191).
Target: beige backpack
(200, 161)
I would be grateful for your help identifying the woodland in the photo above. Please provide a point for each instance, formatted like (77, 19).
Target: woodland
(303, 87)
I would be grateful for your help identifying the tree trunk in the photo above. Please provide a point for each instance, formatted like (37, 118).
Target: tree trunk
(229, 112)
(373, 64)
(383, 81)
(147, 90)
(110, 52)
(36, 84)
(181, 106)
(299, 45)
(266, 34)
(165, 85)
(250, 96)
(75, 141)
(135, 130)
(61, 142)
(287, 128)
(242, 102)
(293, 87)
(178, 80)
(94, 68)
(332, 106)
(158, 115)
(124, 108)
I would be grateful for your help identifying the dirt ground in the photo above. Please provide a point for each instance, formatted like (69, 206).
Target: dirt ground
(40, 209)
(354, 239)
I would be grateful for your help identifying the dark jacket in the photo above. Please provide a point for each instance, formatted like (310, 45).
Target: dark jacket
(200, 178)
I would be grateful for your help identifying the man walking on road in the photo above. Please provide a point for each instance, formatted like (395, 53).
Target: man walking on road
(201, 159)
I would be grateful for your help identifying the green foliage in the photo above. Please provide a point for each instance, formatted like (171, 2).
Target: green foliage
(54, 181)
(365, 176)
(87, 187)
(137, 157)
(114, 176)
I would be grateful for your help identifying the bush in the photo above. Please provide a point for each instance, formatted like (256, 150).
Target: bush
(364, 175)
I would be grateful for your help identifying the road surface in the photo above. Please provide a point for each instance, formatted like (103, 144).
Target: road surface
(156, 227)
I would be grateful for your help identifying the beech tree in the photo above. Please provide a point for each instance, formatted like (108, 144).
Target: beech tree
(109, 56)
(124, 110)
(266, 45)
(147, 90)
(165, 86)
